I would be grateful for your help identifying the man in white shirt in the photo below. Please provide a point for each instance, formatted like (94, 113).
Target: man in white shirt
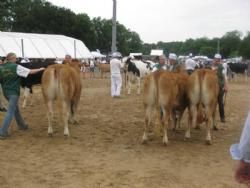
(10, 81)
(190, 64)
(116, 78)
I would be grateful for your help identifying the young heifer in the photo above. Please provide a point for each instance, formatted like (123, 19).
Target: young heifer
(166, 91)
(203, 90)
(62, 83)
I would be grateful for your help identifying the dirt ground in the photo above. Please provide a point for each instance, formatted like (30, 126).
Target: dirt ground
(105, 150)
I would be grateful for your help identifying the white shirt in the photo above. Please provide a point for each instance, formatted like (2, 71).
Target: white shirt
(91, 64)
(115, 66)
(225, 70)
(190, 64)
(22, 71)
(241, 151)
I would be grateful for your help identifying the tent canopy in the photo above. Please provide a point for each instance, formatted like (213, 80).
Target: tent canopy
(42, 46)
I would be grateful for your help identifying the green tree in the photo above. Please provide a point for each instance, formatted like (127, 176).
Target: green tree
(245, 46)
(207, 51)
(230, 43)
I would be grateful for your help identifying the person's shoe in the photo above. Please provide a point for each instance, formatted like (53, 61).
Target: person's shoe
(24, 128)
(3, 109)
(3, 136)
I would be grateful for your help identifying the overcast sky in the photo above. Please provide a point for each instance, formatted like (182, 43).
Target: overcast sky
(170, 20)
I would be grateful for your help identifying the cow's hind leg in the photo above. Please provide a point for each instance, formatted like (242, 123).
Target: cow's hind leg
(165, 121)
(129, 84)
(50, 117)
(25, 96)
(214, 120)
(138, 86)
(208, 125)
(73, 108)
(148, 116)
(191, 120)
(65, 116)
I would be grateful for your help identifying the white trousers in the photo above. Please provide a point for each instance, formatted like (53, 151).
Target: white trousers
(116, 84)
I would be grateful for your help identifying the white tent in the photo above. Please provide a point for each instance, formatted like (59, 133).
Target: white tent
(42, 45)
(97, 54)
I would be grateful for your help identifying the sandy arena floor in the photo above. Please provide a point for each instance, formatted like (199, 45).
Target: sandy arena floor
(105, 149)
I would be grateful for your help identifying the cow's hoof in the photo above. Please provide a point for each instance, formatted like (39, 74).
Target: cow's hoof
(197, 127)
(73, 121)
(186, 139)
(50, 134)
(208, 142)
(215, 128)
(144, 142)
(187, 136)
(165, 143)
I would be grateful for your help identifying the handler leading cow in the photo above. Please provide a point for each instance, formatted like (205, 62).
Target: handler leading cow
(10, 81)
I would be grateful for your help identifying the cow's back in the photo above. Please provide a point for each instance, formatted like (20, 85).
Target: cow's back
(62, 82)
(104, 67)
(209, 87)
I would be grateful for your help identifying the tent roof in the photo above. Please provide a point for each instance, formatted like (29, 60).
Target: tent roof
(42, 45)
(97, 54)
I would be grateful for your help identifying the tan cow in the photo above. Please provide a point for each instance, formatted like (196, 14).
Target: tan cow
(104, 68)
(166, 91)
(203, 91)
(62, 83)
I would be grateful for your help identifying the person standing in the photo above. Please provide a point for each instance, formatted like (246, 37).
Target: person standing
(92, 68)
(67, 58)
(217, 65)
(161, 65)
(190, 64)
(172, 57)
(116, 78)
(241, 152)
(10, 81)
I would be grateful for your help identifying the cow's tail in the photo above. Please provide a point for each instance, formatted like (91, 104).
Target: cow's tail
(201, 81)
(56, 75)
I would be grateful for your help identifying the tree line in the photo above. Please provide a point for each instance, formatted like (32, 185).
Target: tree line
(40, 16)
(229, 45)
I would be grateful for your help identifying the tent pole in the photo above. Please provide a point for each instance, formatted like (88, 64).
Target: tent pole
(22, 48)
(75, 48)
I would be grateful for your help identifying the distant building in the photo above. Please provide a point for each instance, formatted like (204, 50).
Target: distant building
(156, 52)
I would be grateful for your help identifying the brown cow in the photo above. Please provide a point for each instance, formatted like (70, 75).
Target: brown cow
(104, 68)
(62, 83)
(203, 90)
(166, 91)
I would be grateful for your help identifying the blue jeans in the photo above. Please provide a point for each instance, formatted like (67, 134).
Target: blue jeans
(13, 110)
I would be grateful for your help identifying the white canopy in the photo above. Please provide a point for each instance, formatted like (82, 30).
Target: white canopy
(42, 46)
(97, 54)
